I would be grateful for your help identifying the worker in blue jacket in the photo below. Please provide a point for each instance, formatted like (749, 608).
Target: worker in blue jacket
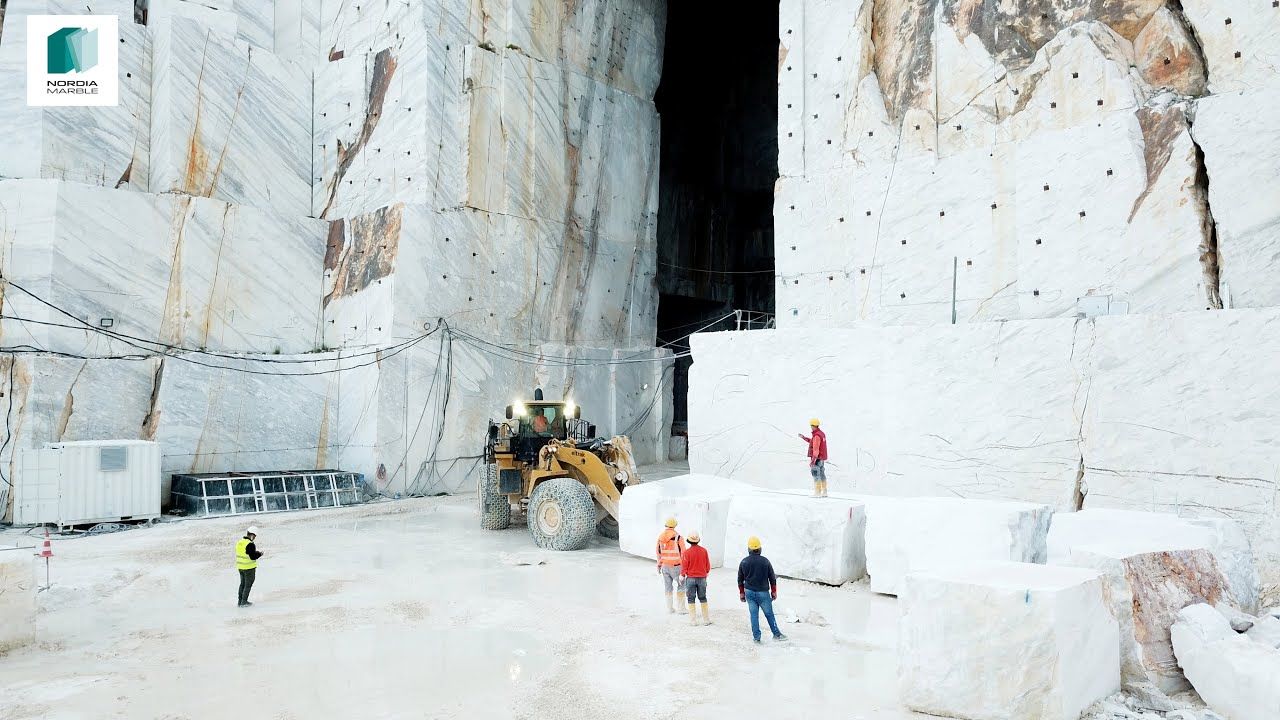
(758, 588)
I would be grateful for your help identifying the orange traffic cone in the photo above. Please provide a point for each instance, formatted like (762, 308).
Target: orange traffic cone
(47, 550)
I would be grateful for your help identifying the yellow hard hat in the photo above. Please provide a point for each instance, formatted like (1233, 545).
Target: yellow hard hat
(671, 522)
(814, 422)
(695, 537)
(753, 543)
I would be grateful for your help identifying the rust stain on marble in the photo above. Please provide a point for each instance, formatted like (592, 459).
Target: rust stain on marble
(1160, 131)
(361, 250)
(384, 69)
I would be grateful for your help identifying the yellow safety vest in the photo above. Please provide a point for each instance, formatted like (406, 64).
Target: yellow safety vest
(243, 561)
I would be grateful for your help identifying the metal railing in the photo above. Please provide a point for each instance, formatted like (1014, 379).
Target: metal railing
(753, 320)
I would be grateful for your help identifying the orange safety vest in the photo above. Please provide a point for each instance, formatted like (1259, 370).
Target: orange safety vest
(670, 548)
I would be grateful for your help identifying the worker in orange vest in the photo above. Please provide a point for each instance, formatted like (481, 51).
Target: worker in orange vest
(817, 442)
(670, 549)
(696, 567)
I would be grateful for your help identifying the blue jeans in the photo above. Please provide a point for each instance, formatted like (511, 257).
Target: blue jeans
(758, 600)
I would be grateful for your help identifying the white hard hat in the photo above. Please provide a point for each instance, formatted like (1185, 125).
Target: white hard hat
(253, 530)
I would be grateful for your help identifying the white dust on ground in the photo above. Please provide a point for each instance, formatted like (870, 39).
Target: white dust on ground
(408, 610)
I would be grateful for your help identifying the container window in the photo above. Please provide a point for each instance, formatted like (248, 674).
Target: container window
(113, 458)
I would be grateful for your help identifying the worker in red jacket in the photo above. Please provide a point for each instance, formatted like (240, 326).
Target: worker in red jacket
(696, 566)
(817, 442)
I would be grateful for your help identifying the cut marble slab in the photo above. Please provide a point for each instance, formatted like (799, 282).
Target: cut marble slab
(228, 121)
(1235, 675)
(1145, 591)
(962, 629)
(807, 538)
(1150, 531)
(699, 503)
(906, 535)
(17, 600)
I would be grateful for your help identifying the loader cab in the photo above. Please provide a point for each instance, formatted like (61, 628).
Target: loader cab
(536, 422)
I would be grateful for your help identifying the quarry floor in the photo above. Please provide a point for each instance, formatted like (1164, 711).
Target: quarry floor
(408, 609)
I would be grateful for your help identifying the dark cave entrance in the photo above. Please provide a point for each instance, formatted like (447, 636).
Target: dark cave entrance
(718, 101)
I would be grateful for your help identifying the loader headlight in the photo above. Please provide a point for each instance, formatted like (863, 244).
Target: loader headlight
(570, 409)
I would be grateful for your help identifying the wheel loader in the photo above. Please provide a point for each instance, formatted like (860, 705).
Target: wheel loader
(546, 462)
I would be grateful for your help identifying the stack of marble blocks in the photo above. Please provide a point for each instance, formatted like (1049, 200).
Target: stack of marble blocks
(1081, 602)
(307, 179)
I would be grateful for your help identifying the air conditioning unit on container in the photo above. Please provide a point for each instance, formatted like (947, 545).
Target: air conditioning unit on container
(77, 483)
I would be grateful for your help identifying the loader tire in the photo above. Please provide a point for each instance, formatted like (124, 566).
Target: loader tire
(562, 515)
(608, 527)
(495, 511)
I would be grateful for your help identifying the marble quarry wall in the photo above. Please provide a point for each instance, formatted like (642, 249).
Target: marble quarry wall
(322, 233)
(1024, 250)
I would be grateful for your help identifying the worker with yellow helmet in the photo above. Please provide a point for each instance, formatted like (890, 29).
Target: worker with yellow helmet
(817, 442)
(670, 551)
(758, 588)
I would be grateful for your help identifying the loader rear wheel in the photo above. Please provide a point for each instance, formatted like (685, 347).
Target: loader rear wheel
(608, 527)
(495, 511)
(562, 515)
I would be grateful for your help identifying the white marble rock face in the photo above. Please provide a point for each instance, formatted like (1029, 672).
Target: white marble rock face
(1241, 41)
(963, 629)
(699, 503)
(228, 121)
(807, 538)
(17, 601)
(185, 271)
(1243, 190)
(1146, 589)
(1151, 531)
(1235, 675)
(900, 407)
(907, 535)
(105, 146)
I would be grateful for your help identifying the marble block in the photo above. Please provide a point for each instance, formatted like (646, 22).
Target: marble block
(1006, 641)
(807, 538)
(228, 121)
(1233, 674)
(17, 600)
(906, 535)
(1145, 592)
(1150, 531)
(700, 503)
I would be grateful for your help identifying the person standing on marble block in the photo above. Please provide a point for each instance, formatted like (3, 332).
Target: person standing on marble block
(817, 442)
(670, 550)
(696, 566)
(247, 555)
(758, 588)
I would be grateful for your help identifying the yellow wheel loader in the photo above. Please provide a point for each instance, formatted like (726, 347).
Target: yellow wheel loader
(546, 461)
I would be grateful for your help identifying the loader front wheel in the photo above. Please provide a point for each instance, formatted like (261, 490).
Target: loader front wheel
(608, 527)
(495, 511)
(562, 515)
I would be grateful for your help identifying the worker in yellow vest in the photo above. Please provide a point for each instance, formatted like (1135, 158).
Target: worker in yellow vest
(670, 549)
(247, 555)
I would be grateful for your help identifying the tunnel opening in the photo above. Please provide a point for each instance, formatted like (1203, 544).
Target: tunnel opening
(718, 103)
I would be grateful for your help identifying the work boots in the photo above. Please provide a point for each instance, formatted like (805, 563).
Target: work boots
(693, 614)
(671, 608)
(822, 489)
(706, 615)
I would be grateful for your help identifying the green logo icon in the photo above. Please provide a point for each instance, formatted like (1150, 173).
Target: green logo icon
(72, 49)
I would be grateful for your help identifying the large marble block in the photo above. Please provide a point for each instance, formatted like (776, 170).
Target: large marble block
(906, 535)
(1149, 531)
(184, 271)
(1233, 674)
(1006, 641)
(807, 538)
(1244, 193)
(105, 146)
(17, 600)
(1145, 591)
(700, 503)
(907, 411)
(228, 121)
